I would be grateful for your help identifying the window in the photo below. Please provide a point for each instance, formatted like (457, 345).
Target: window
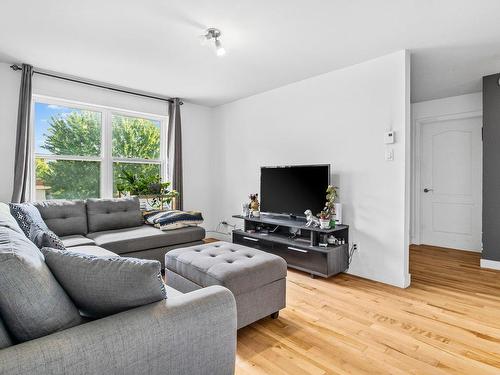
(82, 151)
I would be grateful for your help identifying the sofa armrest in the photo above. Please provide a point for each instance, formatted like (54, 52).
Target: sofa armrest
(194, 333)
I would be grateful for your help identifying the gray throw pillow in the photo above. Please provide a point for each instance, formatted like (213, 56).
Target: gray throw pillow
(106, 285)
(30, 220)
(6, 218)
(45, 238)
(5, 340)
(26, 214)
(32, 303)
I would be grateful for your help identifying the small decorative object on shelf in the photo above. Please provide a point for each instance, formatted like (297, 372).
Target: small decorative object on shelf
(254, 205)
(327, 215)
(245, 209)
(332, 240)
(324, 220)
(311, 220)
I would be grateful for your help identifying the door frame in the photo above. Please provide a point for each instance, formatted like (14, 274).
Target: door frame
(417, 164)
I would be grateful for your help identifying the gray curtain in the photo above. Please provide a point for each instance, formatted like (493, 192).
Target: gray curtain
(22, 167)
(174, 148)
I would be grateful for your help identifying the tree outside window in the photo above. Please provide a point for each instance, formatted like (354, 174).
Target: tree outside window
(71, 155)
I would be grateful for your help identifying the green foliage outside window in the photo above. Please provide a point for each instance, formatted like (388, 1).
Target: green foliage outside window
(79, 134)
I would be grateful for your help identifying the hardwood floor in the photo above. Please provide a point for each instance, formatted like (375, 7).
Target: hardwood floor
(447, 322)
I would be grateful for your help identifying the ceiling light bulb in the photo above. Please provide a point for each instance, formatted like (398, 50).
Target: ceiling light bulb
(219, 49)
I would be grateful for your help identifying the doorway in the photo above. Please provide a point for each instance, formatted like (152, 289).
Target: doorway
(449, 181)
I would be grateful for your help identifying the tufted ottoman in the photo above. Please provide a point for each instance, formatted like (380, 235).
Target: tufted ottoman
(256, 278)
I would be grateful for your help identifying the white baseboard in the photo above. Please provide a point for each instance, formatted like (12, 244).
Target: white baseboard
(492, 264)
(407, 281)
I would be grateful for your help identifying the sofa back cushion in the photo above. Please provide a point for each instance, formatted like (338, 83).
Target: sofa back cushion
(32, 303)
(64, 217)
(108, 214)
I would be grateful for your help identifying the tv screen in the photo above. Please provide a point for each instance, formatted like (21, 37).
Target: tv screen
(293, 189)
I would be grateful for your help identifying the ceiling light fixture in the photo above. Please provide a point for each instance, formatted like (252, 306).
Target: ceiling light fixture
(215, 34)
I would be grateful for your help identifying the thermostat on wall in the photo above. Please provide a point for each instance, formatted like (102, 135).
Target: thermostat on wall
(389, 137)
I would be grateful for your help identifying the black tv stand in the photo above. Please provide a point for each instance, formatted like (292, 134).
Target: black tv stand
(298, 244)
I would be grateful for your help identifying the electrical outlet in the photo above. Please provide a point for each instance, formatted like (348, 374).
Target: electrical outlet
(355, 246)
(389, 154)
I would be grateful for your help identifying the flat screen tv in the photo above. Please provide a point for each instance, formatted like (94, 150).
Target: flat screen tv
(292, 189)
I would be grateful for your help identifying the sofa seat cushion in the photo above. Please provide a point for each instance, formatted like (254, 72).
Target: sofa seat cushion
(238, 268)
(76, 240)
(92, 250)
(64, 217)
(102, 286)
(109, 214)
(126, 240)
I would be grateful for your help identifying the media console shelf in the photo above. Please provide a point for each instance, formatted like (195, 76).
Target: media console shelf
(296, 243)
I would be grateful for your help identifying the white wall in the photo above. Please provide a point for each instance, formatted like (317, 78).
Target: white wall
(195, 125)
(426, 110)
(9, 99)
(338, 118)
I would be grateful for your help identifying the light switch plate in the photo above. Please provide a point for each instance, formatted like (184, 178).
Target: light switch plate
(389, 137)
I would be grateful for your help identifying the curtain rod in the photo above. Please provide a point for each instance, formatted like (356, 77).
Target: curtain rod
(16, 67)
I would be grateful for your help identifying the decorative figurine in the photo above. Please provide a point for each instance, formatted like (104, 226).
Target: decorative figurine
(254, 205)
(311, 220)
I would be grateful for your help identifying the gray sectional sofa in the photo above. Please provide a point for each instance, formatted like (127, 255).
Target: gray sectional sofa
(100, 225)
(191, 333)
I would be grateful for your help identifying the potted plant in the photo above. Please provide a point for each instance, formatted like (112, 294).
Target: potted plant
(326, 219)
(148, 187)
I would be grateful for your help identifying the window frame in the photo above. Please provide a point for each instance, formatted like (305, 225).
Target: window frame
(106, 158)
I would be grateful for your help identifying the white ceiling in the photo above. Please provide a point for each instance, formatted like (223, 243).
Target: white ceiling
(153, 45)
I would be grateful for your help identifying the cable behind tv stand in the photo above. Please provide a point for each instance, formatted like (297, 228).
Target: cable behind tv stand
(290, 239)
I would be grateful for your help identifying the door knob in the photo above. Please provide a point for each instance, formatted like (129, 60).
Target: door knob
(426, 190)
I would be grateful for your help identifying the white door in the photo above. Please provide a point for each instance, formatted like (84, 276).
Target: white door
(451, 183)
